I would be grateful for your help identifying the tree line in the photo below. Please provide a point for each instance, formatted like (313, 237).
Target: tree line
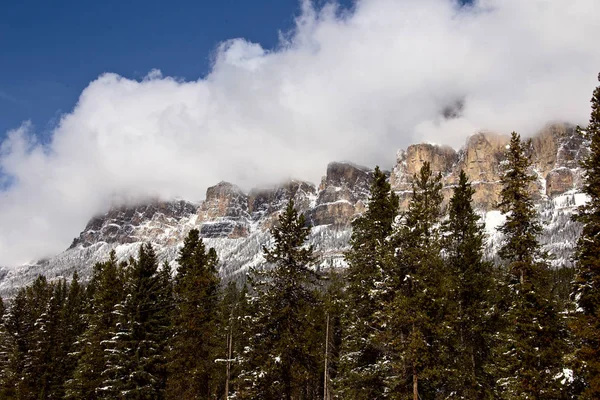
(419, 313)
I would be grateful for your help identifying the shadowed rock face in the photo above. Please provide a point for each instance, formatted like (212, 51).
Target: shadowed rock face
(343, 194)
(269, 201)
(132, 224)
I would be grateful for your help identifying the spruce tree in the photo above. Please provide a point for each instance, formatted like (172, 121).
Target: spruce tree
(285, 352)
(8, 375)
(32, 346)
(135, 355)
(194, 347)
(415, 285)
(529, 357)
(470, 299)
(585, 324)
(18, 326)
(104, 292)
(362, 364)
(46, 366)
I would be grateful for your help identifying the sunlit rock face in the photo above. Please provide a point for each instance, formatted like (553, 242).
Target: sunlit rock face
(224, 213)
(555, 152)
(237, 224)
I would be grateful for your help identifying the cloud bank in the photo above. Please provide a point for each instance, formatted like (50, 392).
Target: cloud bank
(342, 85)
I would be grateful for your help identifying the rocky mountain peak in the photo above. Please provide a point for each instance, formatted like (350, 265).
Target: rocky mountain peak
(224, 213)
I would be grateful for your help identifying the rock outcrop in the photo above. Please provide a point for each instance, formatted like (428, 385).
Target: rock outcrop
(224, 213)
(342, 194)
(556, 152)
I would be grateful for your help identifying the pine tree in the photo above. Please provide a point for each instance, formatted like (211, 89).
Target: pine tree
(135, 355)
(416, 306)
(285, 352)
(362, 367)
(46, 365)
(18, 325)
(530, 353)
(471, 297)
(586, 292)
(104, 292)
(192, 370)
(7, 349)
(25, 324)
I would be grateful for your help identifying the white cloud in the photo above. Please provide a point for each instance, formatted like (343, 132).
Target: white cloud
(343, 85)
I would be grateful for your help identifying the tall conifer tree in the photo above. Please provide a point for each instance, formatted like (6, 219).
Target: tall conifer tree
(362, 366)
(586, 292)
(285, 352)
(531, 349)
(471, 290)
(194, 347)
(414, 313)
(105, 291)
(135, 355)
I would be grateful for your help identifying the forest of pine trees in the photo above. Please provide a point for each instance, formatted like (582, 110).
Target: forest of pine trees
(419, 313)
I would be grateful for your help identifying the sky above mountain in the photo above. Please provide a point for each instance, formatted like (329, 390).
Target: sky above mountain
(107, 103)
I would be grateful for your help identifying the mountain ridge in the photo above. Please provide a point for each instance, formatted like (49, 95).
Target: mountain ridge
(236, 223)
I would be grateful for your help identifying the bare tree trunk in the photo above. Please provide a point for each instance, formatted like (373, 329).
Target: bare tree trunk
(415, 377)
(325, 374)
(415, 383)
(229, 351)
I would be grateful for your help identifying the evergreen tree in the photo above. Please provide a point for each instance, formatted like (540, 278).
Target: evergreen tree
(471, 297)
(530, 354)
(24, 324)
(46, 365)
(135, 355)
(416, 308)
(18, 326)
(586, 292)
(285, 352)
(104, 292)
(7, 349)
(192, 370)
(362, 357)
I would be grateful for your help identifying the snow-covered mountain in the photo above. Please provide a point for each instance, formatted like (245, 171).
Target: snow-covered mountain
(236, 223)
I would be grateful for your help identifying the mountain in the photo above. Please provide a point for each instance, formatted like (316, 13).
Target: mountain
(236, 223)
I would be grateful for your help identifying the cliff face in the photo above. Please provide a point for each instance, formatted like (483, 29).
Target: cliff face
(237, 223)
(556, 152)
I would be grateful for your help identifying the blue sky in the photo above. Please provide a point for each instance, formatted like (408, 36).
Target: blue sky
(51, 50)
(356, 85)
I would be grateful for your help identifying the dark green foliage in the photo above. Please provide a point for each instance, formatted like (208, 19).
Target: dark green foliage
(414, 333)
(8, 374)
(470, 303)
(135, 354)
(104, 292)
(529, 356)
(362, 372)
(193, 372)
(586, 292)
(28, 363)
(284, 358)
